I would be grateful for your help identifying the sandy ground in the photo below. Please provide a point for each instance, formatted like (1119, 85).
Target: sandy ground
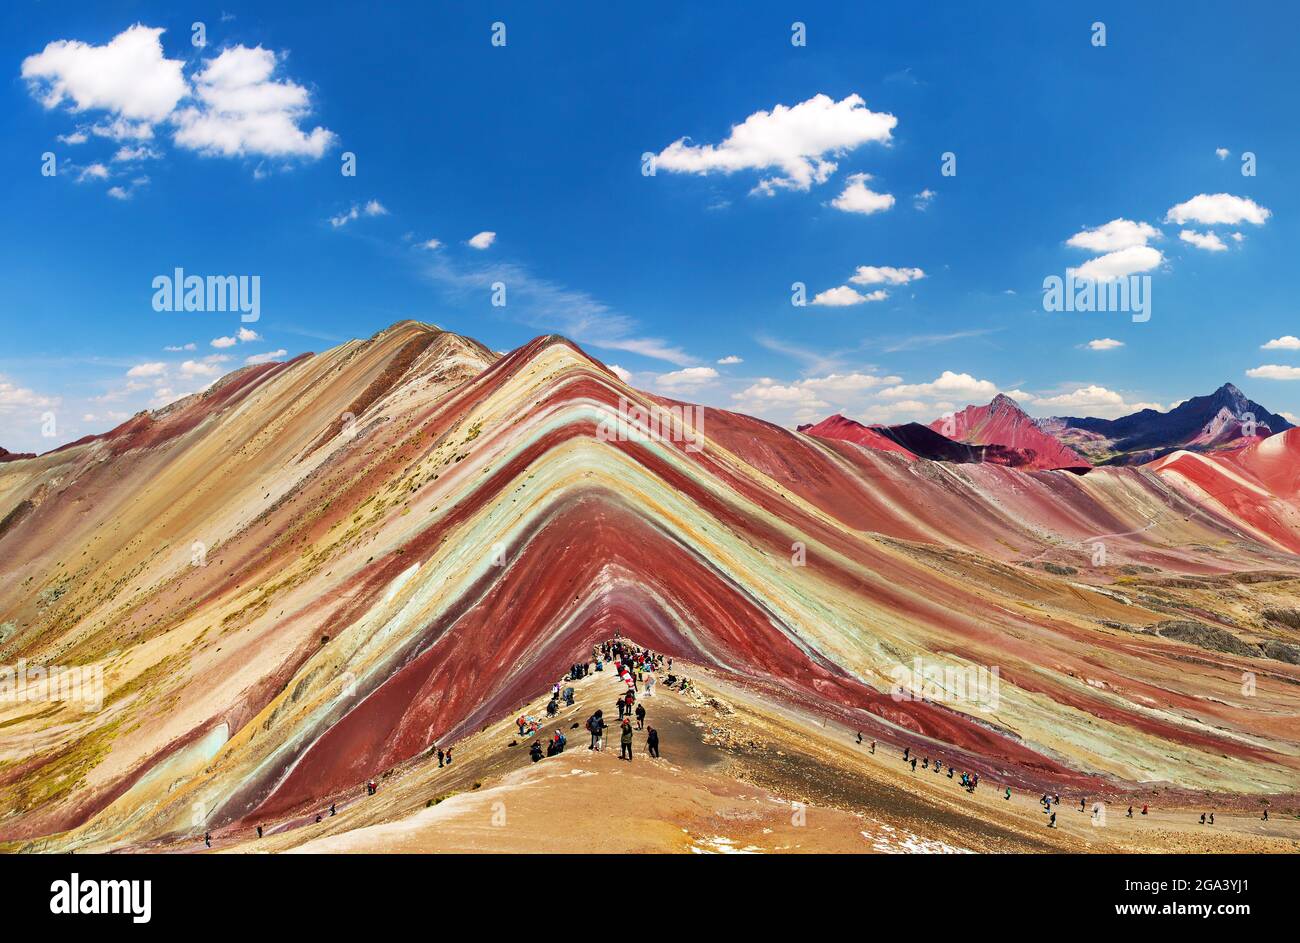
(737, 775)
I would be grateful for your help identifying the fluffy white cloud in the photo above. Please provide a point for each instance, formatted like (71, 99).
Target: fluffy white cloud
(687, 379)
(127, 153)
(20, 397)
(1117, 234)
(729, 360)
(155, 369)
(242, 336)
(1104, 343)
(843, 296)
(1221, 153)
(232, 106)
(948, 384)
(177, 348)
(1203, 240)
(887, 274)
(1091, 400)
(129, 76)
(1119, 264)
(119, 193)
(922, 200)
(93, 172)
(265, 358)
(371, 208)
(798, 141)
(199, 368)
(857, 197)
(242, 110)
(620, 372)
(837, 385)
(777, 401)
(1219, 209)
(431, 244)
(1273, 371)
(1285, 342)
(483, 240)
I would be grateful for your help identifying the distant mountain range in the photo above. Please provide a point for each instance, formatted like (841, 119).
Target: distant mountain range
(1223, 419)
(1001, 433)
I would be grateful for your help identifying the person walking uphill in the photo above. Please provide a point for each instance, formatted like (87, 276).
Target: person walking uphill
(652, 745)
(625, 741)
(596, 727)
(640, 717)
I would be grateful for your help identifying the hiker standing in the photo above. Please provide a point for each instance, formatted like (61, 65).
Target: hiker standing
(652, 745)
(640, 716)
(625, 740)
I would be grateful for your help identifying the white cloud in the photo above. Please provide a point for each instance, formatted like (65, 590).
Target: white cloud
(875, 275)
(1221, 153)
(129, 76)
(1119, 264)
(798, 141)
(1092, 400)
(140, 152)
(176, 348)
(370, 208)
(76, 137)
(768, 397)
(223, 342)
(483, 240)
(1117, 234)
(922, 200)
(199, 368)
(1219, 209)
(431, 244)
(1289, 417)
(843, 296)
(246, 334)
(1237, 237)
(729, 360)
(93, 172)
(265, 358)
(857, 197)
(948, 384)
(1273, 371)
(242, 110)
(622, 374)
(688, 378)
(1203, 240)
(155, 369)
(1285, 342)
(118, 193)
(1104, 343)
(19, 397)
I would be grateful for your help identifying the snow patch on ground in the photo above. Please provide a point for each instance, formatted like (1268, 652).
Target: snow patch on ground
(892, 841)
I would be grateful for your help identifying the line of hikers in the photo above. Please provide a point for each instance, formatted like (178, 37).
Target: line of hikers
(971, 780)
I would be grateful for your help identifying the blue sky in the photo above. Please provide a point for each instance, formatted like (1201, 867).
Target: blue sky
(226, 160)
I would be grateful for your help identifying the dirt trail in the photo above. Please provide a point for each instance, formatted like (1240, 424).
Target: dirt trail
(737, 775)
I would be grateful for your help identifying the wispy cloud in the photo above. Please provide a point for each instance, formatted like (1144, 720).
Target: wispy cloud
(549, 306)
